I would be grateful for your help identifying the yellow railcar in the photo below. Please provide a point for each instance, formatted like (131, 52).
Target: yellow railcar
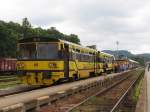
(44, 61)
(109, 66)
(100, 62)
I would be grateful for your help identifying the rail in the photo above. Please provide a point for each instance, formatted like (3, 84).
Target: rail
(116, 105)
(126, 93)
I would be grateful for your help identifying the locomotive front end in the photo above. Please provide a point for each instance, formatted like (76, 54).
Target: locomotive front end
(39, 62)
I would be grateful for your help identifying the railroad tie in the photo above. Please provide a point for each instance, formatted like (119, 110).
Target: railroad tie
(44, 100)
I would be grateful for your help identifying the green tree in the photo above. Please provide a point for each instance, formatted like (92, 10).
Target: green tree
(26, 27)
(54, 33)
(74, 38)
(11, 32)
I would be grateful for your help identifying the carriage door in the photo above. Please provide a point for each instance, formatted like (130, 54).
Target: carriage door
(66, 61)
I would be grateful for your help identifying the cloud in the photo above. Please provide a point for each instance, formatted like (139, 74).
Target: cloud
(95, 21)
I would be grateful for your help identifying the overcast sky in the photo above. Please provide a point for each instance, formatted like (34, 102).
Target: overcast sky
(100, 22)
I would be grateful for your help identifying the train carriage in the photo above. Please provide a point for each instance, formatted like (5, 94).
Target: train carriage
(99, 63)
(108, 62)
(8, 65)
(133, 64)
(123, 64)
(44, 61)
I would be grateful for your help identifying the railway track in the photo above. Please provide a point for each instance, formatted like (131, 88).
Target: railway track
(10, 84)
(33, 99)
(100, 99)
(16, 89)
(62, 97)
(109, 99)
(7, 81)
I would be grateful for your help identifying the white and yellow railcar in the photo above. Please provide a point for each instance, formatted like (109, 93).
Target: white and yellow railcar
(44, 61)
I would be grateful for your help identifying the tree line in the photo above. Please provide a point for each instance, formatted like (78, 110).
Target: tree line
(11, 32)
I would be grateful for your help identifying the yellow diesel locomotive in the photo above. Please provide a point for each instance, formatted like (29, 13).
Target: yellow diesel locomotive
(45, 61)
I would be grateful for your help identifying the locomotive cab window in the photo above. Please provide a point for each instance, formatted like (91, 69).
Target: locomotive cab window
(27, 51)
(38, 51)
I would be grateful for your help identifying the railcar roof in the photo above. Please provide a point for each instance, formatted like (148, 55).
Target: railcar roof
(121, 59)
(133, 61)
(78, 46)
(106, 54)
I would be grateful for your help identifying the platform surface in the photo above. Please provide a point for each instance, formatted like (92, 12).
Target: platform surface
(143, 104)
(147, 74)
(27, 96)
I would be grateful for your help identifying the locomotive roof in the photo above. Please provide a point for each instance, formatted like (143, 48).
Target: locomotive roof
(38, 39)
(48, 39)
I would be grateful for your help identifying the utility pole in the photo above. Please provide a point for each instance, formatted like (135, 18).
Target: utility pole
(117, 43)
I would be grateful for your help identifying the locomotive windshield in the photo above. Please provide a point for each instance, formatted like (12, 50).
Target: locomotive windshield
(47, 51)
(27, 51)
(38, 51)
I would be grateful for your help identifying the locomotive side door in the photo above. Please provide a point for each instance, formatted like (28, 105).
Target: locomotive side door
(66, 61)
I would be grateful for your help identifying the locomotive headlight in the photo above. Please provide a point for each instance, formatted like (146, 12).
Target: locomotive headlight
(52, 65)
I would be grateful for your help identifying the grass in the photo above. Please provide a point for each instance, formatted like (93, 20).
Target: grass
(8, 85)
(7, 81)
(137, 91)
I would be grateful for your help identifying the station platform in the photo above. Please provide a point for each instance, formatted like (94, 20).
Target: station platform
(143, 104)
(31, 97)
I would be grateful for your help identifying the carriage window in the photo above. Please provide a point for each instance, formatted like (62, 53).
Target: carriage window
(100, 59)
(47, 51)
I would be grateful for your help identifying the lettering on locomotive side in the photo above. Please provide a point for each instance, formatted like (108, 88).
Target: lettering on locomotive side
(52, 65)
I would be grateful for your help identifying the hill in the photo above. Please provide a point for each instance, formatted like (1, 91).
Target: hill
(145, 56)
(121, 53)
(141, 58)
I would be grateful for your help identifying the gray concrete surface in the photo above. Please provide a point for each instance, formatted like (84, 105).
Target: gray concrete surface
(142, 102)
(31, 95)
(147, 74)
